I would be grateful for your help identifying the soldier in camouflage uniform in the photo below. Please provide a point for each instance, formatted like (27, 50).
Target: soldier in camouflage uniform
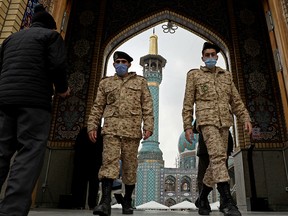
(212, 90)
(124, 101)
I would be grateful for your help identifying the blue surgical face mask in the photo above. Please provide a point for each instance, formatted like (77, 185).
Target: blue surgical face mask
(210, 62)
(121, 69)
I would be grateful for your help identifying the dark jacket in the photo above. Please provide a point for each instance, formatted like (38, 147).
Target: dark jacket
(31, 61)
(88, 152)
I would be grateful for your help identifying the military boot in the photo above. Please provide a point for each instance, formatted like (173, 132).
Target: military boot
(202, 201)
(197, 202)
(228, 206)
(104, 207)
(127, 200)
(119, 198)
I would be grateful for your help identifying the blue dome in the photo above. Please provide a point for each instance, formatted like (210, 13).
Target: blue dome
(184, 144)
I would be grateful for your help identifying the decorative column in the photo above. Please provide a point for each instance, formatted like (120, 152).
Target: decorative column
(150, 156)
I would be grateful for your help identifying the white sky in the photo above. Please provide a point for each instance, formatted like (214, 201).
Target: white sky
(182, 50)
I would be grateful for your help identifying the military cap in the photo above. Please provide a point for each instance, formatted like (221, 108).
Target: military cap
(208, 45)
(120, 54)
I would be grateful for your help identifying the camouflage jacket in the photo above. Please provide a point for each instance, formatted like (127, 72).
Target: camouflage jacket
(124, 104)
(215, 96)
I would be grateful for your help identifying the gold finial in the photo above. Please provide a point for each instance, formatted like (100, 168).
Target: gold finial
(153, 49)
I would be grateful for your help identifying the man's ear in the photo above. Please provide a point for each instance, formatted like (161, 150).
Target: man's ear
(129, 65)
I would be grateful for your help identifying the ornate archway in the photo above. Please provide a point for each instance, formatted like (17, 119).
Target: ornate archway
(238, 27)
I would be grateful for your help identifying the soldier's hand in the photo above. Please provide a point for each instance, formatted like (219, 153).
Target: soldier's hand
(248, 127)
(146, 134)
(189, 134)
(92, 135)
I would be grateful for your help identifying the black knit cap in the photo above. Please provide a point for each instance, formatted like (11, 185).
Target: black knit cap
(208, 45)
(120, 54)
(42, 16)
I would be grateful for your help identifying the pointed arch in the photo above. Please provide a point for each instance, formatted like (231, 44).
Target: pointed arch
(170, 183)
(170, 202)
(136, 28)
(185, 184)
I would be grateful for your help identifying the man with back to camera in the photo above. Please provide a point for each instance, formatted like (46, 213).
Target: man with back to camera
(124, 101)
(31, 62)
(212, 89)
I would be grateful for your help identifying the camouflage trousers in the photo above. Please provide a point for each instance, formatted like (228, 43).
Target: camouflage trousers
(117, 148)
(216, 140)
